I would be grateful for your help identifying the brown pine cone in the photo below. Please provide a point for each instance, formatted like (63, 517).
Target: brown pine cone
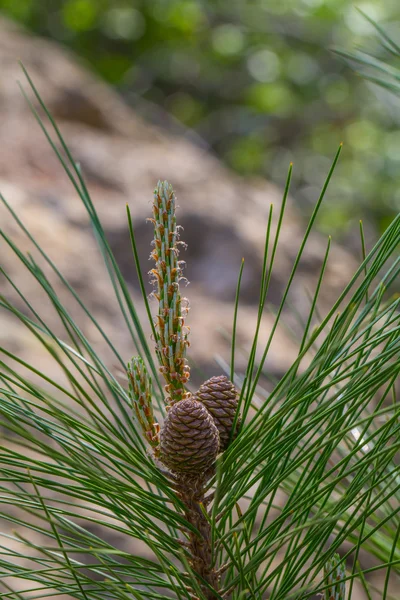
(220, 398)
(189, 438)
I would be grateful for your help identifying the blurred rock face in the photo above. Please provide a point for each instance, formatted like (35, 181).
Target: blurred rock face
(224, 216)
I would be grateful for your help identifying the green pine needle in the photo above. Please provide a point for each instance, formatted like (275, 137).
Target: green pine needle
(312, 470)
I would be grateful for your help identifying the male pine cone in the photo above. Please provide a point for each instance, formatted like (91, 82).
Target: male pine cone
(220, 398)
(189, 439)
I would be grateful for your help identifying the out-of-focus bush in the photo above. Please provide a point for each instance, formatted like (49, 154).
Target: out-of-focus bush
(256, 80)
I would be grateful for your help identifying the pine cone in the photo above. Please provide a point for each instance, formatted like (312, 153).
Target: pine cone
(189, 438)
(220, 398)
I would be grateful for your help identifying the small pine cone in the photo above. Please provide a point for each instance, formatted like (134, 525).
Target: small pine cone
(189, 438)
(220, 398)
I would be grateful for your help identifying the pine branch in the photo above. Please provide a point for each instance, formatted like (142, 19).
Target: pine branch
(252, 509)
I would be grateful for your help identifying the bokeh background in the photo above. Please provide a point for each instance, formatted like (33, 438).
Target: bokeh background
(256, 82)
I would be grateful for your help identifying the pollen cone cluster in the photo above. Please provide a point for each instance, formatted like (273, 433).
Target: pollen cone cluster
(171, 331)
(189, 439)
(140, 392)
(220, 398)
(334, 576)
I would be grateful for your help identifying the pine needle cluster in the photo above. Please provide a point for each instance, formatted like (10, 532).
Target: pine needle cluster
(279, 495)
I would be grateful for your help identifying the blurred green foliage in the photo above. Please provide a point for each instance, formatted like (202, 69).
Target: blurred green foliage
(257, 80)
